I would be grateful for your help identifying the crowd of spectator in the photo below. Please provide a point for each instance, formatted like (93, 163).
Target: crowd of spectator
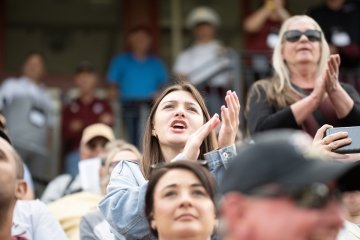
(183, 171)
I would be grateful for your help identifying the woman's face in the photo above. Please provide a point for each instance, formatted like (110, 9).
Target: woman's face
(302, 51)
(182, 207)
(177, 116)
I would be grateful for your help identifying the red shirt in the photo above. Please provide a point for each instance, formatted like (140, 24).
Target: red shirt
(84, 115)
(257, 41)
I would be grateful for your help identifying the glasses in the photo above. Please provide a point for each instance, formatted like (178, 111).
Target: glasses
(314, 196)
(295, 35)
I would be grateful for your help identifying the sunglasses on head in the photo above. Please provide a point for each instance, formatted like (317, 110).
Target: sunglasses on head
(295, 35)
(314, 196)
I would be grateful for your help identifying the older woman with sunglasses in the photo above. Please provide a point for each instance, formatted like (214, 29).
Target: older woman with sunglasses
(304, 91)
(180, 202)
(178, 128)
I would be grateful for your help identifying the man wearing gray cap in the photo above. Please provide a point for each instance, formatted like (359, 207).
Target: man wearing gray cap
(206, 63)
(280, 188)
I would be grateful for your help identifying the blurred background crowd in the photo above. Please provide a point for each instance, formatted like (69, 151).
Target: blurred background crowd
(66, 65)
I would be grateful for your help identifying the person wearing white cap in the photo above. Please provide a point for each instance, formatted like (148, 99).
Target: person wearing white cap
(205, 64)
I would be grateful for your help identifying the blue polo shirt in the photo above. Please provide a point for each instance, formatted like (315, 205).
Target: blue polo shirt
(137, 79)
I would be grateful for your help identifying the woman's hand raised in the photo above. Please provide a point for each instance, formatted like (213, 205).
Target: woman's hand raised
(192, 147)
(229, 120)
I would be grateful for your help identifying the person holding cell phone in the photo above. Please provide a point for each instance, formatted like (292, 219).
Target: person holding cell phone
(304, 91)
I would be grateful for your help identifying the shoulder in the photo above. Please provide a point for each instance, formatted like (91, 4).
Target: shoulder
(260, 85)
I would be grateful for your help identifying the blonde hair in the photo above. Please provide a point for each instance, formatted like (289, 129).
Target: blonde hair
(278, 88)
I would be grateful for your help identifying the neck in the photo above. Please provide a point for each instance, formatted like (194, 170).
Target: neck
(87, 97)
(139, 55)
(335, 4)
(170, 152)
(354, 218)
(6, 222)
(204, 40)
(303, 76)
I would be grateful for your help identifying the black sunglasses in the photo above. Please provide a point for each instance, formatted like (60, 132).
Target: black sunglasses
(295, 35)
(314, 196)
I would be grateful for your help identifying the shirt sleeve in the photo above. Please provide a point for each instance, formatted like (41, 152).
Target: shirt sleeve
(163, 74)
(353, 118)
(123, 206)
(45, 224)
(181, 65)
(114, 71)
(219, 160)
(263, 116)
(86, 230)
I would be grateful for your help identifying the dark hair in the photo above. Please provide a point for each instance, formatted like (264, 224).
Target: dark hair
(85, 67)
(151, 148)
(31, 53)
(140, 28)
(204, 176)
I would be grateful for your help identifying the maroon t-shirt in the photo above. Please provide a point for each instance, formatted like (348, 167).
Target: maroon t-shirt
(86, 114)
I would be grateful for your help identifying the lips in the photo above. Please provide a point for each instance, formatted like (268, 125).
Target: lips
(186, 217)
(179, 124)
(303, 49)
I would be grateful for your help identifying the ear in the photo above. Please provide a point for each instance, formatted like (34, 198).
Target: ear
(233, 223)
(233, 208)
(21, 189)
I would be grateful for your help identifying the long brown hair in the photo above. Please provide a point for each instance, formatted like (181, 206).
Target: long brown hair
(151, 148)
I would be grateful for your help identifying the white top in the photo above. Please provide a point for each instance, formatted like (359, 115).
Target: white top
(202, 61)
(350, 231)
(32, 220)
(23, 86)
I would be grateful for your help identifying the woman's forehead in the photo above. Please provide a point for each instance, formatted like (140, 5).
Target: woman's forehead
(301, 24)
(179, 96)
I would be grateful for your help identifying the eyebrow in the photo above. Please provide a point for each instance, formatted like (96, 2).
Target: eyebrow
(194, 185)
(173, 101)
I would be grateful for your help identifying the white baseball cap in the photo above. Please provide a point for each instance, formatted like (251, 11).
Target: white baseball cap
(202, 15)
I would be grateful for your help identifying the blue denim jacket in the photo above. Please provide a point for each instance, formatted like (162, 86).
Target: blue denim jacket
(123, 206)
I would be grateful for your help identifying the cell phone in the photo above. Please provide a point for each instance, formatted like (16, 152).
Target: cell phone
(353, 133)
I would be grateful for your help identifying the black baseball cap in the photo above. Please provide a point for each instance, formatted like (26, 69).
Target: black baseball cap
(286, 159)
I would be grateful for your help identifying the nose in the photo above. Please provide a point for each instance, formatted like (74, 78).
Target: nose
(303, 37)
(185, 200)
(180, 112)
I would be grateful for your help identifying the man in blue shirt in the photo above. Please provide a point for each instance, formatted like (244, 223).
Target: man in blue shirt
(136, 76)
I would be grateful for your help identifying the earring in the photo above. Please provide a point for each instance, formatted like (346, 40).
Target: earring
(153, 225)
(153, 133)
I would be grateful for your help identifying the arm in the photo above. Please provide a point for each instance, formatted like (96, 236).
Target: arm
(353, 117)
(123, 206)
(113, 77)
(256, 20)
(219, 160)
(335, 90)
(263, 116)
(86, 229)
